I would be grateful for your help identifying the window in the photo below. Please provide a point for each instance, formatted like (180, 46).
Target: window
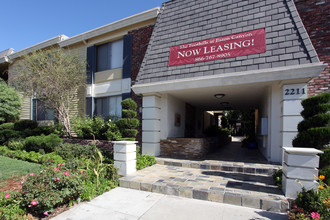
(109, 56)
(40, 112)
(108, 106)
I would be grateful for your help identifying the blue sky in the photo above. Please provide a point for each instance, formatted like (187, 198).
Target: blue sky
(28, 22)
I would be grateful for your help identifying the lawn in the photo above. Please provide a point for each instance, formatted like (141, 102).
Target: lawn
(11, 168)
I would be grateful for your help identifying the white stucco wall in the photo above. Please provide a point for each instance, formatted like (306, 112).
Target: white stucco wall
(264, 112)
(169, 107)
(275, 123)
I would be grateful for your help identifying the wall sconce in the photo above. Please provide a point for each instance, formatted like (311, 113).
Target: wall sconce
(219, 96)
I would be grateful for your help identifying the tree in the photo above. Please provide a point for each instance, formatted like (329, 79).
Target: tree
(10, 103)
(53, 77)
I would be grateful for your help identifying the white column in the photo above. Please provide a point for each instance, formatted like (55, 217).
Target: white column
(291, 108)
(299, 170)
(151, 106)
(125, 157)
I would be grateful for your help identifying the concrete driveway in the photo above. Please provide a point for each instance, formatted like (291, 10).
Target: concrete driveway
(123, 203)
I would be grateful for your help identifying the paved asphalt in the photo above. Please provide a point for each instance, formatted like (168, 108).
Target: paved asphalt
(121, 203)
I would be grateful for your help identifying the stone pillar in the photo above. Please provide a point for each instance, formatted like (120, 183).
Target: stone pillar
(151, 125)
(300, 164)
(291, 108)
(125, 157)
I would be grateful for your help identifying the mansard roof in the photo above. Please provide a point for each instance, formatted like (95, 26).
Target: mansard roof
(187, 21)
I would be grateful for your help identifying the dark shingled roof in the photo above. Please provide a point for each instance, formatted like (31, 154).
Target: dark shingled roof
(186, 21)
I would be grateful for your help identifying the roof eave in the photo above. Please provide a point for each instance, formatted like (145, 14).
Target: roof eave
(134, 19)
(39, 46)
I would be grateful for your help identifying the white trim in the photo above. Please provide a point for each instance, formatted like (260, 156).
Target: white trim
(131, 20)
(39, 46)
(304, 71)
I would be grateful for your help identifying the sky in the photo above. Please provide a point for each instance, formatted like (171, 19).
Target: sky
(27, 22)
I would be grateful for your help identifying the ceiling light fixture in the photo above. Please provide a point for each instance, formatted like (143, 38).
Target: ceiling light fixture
(219, 96)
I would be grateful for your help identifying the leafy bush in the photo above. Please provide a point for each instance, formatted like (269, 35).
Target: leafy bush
(143, 160)
(129, 113)
(10, 206)
(10, 103)
(318, 120)
(101, 177)
(313, 202)
(313, 137)
(98, 127)
(21, 125)
(277, 176)
(8, 134)
(47, 143)
(129, 104)
(32, 156)
(51, 188)
(314, 130)
(9, 125)
(16, 144)
(70, 151)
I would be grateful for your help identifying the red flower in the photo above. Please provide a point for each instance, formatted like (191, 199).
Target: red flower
(315, 215)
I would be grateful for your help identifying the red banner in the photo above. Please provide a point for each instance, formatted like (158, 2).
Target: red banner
(250, 42)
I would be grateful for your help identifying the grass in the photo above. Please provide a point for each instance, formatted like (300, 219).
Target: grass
(11, 168)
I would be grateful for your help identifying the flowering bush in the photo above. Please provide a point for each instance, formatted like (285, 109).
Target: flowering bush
(10, 206)
(312, 204)
(51, 188)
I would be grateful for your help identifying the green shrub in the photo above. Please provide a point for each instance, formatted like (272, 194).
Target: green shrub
(9, 125)
(101, 176)
(143, 160)
(319, 120)
(16, 144)
(98, 127)
(316, 100)
(129, 104)
(128, 123)
(277, 176)
(70, 151)
(129, 133)
(51, 188)
(32, 156)
(47, 143)
(128, 113)
(10, 103)
(313, 110)
(25, 124)
(10, 207)
(313, 137)
(8, 134)
(325, 158)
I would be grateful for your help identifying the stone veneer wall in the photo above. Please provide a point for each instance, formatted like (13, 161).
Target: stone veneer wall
(190, 148)
(101, 144)
(315, 16)
(140, 38)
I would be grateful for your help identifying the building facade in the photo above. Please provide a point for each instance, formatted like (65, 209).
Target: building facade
(113, 53)
(256, 54)
(189, 58)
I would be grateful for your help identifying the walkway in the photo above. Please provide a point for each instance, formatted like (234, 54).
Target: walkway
(121, 203)
(246, 183)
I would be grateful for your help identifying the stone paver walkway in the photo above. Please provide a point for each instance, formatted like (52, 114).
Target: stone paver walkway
(122, 203)
(243, 189)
